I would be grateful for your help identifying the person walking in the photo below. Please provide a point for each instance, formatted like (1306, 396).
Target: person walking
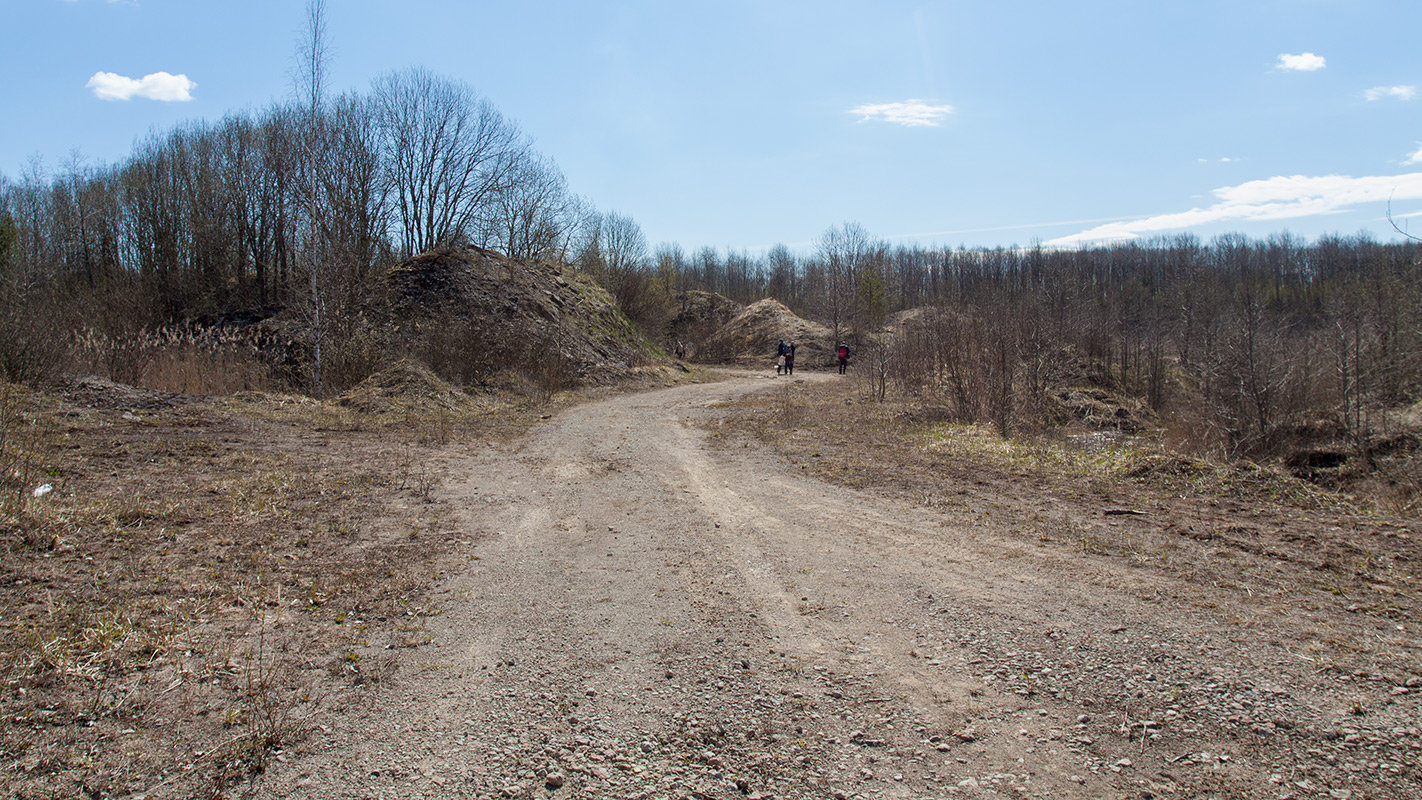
(780, 357)
(843, 354)
(790, 359)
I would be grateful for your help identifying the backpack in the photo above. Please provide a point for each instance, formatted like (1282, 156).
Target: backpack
(843, 351)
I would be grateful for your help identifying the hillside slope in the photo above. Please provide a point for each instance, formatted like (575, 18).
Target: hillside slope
(751, 336)
(493, 304)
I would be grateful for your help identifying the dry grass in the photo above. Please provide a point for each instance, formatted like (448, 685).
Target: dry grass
(1248, 531)
(212, 362)
(24, 437)
(190, 590)
(908, 445)
(206, 573)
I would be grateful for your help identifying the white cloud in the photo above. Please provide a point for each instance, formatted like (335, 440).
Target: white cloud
(1399, 92)
(156, 86)
(1282, 197)
(1303, 62)
(911, 114)
(1416, 157)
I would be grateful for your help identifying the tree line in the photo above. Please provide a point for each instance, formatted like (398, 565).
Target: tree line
(299, 207)
(217, 215)
(1252, 346)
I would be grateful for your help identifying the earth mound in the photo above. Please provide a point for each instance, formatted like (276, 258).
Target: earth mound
(405, 386)
(699, 315)
(505, 309)
(750, 338)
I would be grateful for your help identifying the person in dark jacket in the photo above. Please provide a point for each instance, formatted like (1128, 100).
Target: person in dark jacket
(780, 357)
(790, 359)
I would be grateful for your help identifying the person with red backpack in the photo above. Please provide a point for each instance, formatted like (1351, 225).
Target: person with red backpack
(843, 353)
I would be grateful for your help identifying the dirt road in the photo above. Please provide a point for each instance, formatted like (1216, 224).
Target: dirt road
(646, 614)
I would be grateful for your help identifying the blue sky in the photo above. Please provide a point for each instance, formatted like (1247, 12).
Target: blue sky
(743, 124)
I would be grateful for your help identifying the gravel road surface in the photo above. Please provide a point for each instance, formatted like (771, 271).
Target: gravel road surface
(646, 612)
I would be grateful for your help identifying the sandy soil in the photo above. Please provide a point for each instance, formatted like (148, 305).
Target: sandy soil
(647, 613)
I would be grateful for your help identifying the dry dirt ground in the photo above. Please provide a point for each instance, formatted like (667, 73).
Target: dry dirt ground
(652, 605)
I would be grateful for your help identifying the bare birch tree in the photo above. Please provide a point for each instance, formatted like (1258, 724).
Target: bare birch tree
(309, 80)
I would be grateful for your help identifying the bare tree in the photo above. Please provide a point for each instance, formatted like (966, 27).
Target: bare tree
(8, 235)
(624, 244)
(838, 249)
(535, 216)
(613, 250)
(783, 284)
(310, 83)
(672, 267)
(354, 219)
(447, 153)
(880, 356)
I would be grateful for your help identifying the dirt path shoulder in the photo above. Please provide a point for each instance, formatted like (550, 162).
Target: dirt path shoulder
(645, 616)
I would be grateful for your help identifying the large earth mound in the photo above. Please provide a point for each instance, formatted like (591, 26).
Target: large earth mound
(749, 339)
(499, 304)
(699, 315)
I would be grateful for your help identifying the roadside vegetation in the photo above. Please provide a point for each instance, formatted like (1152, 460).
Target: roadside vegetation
(1250, 530)
(192, 581)
(231, 363)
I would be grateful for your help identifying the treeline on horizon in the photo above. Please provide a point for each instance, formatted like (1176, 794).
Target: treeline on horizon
(297, 211)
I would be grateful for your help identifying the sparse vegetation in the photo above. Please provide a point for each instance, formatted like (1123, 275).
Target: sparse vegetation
(232, 363)
(136, 592)
(1128, 497)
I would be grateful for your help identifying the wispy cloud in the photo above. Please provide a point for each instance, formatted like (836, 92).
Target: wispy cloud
(1398, 92)
(156, 86)
(911, 113)
(1282, 197)
(1015, 227)
(1303, 62)
(1416, 157)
